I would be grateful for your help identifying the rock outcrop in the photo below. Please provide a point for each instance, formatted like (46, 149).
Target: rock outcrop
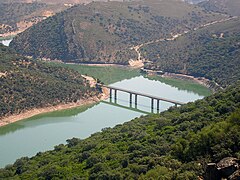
(228, 168)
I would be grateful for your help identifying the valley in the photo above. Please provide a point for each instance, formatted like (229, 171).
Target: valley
(83, 121)
(62, 118)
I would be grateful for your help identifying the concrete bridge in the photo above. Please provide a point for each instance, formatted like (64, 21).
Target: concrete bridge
(114, 90)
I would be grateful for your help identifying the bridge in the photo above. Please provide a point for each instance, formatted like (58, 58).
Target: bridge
(114, 90)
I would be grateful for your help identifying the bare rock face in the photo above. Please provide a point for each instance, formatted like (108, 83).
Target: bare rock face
(228, 168)
(235, 175)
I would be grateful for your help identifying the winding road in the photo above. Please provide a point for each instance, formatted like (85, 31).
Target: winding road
(175, 36)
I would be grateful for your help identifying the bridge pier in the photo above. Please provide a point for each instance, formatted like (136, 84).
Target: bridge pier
(115, 94)
(130, 98)
(135, 99)
(152, 103)
(158, 105)
(110, 93)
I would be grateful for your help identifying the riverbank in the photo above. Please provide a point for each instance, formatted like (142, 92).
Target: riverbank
(97, 64)
(136, 64)
(36, 111)
(6, 38)
(213, 86)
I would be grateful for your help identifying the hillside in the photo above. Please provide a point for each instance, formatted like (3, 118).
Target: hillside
(105, 32)
(176, 144)
(231, 7)
(16, 17)
(28, 84)
(212, 52)
(48, 1)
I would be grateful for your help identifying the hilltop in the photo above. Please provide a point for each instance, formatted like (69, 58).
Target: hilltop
(105, 32)
(16, 17)
(212, 51)
(27, 84)
(49, 1)
(231, 7)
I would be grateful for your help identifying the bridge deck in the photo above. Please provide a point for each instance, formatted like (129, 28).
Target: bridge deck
(143, 94)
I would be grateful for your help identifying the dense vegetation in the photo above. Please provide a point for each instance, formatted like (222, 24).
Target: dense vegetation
(173, 145)
(18, 16)
(27, 84)
(212, 52)
(105, 31)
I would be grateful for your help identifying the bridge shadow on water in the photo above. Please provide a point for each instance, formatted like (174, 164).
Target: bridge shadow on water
(130, 106)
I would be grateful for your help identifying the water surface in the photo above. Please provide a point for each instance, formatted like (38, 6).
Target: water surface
(43, 132)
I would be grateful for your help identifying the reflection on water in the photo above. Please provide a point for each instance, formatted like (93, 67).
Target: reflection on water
(130, 106)
(185, 85)
(43, 132)
(34, 121)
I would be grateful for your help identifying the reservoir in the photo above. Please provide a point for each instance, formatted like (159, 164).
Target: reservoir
(43, 132)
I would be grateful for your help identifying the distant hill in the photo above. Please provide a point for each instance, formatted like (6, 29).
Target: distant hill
(28, 84)
(43, 1)
(105, 32)
(231, 7)
(51, 1)
(16, 17)
(212, 52)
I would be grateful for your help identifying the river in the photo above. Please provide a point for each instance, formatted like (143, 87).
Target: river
(43, 132)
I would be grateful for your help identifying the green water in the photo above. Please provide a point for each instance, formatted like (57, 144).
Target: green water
(107, 74)
(43, 132)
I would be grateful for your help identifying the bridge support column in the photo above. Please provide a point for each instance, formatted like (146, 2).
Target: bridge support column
(115, 95)
(152, 103)
(110, 93)
(135, 99)
(130, 98)
(158, 105)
